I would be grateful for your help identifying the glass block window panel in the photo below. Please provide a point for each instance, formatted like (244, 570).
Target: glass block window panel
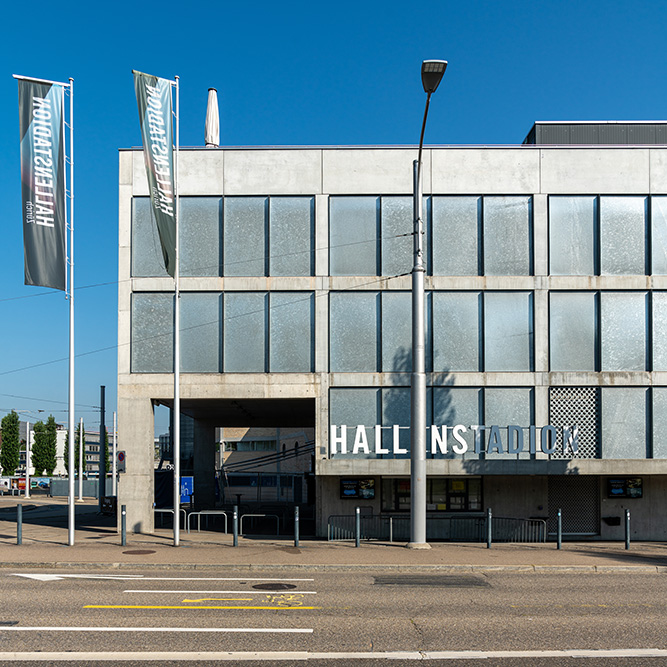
(452, 406)
(199, 230)
(147, 258)
(622, 235)
(580, 407)
(291, 234)
(624, 422)
(353, 236)
(456, 333)
(396, 332)
(396, 410)
(354, 407)
(244, 333)
(291, 338)
(659, 324)
(152, 333)
(244, 239)
(353, 332)
(456, 238)
(508, 407)
(508, 236)
(572, 232)
(508, 331)
(397, 249)
(660, 422)
(659, 236)
(201, 332)
(624, 317)
(572, 331)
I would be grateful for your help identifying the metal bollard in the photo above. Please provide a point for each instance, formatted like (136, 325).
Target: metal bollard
(489, 528)
(296, 525)
(123, 533)
(235, 524)
(19, 523)
(357, 527)
(560, 529)
(627, 529)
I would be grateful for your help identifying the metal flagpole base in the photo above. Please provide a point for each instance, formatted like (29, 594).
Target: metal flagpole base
(418, 545)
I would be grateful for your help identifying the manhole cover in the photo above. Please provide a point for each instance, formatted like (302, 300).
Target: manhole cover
(274, 587)
(139, 552)
(450, 581)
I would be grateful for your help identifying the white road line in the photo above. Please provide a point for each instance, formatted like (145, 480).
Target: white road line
(286, 592)
(301, 656)
(125, 577)
(47, 628)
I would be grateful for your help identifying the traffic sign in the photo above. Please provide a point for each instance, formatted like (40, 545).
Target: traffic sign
(187, 489)
(120, 461)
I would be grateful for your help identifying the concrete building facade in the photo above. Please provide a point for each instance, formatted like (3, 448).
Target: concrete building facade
(546, 305)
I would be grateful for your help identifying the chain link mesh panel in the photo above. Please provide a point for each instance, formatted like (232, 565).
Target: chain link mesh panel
(579, 499)
(580, 407)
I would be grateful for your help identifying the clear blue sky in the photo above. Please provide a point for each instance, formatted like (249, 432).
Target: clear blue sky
(287, 73)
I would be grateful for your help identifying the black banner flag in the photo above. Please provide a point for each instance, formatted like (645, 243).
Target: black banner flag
(43, 183)
(154, 101)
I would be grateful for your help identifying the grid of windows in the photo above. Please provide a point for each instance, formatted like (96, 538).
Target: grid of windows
(608, 331)
(214, 235)
(607, 235)
(372, 235)
(442, 494)
(615, 422)
(242, 332)
(466, 331)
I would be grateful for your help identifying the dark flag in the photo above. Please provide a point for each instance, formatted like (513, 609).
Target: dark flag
(154, 101)
(43, 183)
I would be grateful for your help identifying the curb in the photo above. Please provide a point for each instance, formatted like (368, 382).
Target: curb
(250, 567)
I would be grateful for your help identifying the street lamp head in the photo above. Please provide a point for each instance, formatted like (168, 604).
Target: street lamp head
(432, 73)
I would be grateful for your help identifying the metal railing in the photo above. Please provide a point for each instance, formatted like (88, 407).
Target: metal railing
(396, 527)
(170, 510)
(206, 513)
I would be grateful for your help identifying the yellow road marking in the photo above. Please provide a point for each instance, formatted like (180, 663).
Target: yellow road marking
(221, 600)
(157, 606)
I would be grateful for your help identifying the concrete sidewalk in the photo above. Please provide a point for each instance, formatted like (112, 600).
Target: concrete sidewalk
(97, 546)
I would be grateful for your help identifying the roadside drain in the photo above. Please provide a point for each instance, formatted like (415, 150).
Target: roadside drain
(437, 581)
(139, 552)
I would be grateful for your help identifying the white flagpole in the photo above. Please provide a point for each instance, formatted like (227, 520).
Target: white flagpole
(27, 459)
(177, 347)
(70, 498)
(114, 471)
(81, 460)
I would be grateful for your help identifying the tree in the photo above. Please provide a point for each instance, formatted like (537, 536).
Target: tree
(51, 450)
(9, 454)
(39, 448)
(77, 439)
(107, 462)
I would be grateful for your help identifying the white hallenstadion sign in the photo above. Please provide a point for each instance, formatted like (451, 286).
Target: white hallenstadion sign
(483, 439)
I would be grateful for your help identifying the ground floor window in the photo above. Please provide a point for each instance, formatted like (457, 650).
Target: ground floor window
(443, 494)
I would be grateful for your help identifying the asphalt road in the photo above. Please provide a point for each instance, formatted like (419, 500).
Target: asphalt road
(296, 615)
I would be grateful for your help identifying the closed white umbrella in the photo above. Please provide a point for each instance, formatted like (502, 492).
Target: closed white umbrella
(212, 132)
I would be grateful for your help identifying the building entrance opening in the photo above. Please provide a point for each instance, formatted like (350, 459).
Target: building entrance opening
(257, 455)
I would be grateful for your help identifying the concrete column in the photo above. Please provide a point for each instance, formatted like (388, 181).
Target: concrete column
(204, 464)
(541, 235)
(321, 235)
(136, 488)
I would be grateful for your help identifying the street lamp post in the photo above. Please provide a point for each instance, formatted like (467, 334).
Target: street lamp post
(432, 73)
